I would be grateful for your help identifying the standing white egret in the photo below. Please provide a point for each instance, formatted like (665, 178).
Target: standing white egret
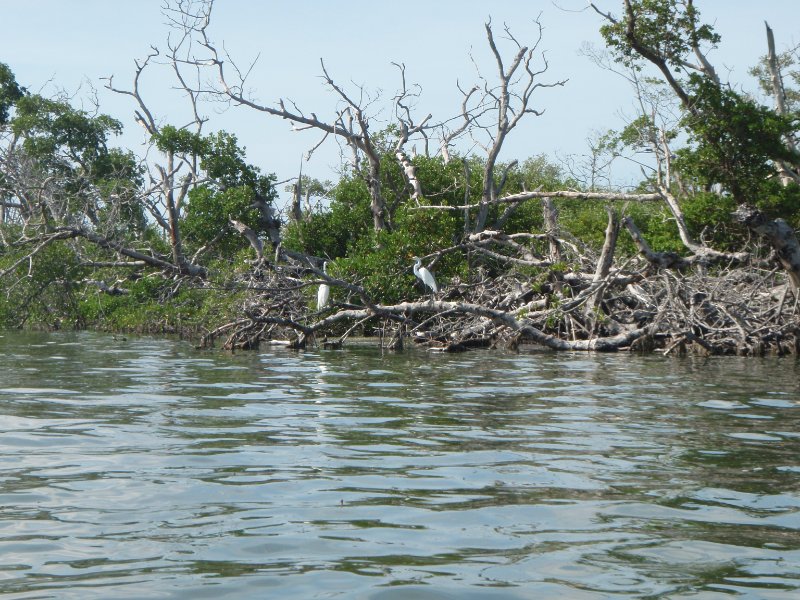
(424, 275)
(324, 291)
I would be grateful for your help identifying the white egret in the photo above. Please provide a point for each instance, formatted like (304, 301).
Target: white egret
(424, 275)
(324, 291)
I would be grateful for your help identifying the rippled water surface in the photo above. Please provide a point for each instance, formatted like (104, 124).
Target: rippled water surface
(141, 468)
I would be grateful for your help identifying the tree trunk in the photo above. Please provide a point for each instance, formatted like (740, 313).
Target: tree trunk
(603, 268)
(250, 236)
(167, 182)
(779, 92)
(377, 202)
(488, 195)
(268, 220)
(297, 211)
(779, 235)
(550, 213)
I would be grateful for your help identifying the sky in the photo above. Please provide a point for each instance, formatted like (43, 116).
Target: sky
(55, 45)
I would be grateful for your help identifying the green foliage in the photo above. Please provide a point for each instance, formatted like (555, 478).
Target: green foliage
(584, 220)
(641, 135)
(311, 186)
(221, 157)
(154, 305)
(10, 92)
(118, 177)
(666, 28)
(425, 231)
(587, 222)
(708, 217)
(51, 295)
(535, 173)
(45, 292)
(51, 127)
(393, 184)
(69, 146)
(658, 227)
(125, 312)
(333, 232)
(223, 160)
(733, 144)
(180, 141)
(788, 64)
(735, 141)
(208, 212)
(232, 192)
(539, 172)
(780, 201)
(382, 263)
(444, 183)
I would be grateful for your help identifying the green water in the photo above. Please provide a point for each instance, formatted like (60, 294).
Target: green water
(141, 468)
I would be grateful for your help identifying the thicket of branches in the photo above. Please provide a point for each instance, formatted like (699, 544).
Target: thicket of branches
(702, 257)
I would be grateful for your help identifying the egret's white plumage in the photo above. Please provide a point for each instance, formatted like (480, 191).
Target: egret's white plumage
(324, 291)
(424, 275)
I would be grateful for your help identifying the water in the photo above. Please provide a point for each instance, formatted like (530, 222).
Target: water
(141, 468)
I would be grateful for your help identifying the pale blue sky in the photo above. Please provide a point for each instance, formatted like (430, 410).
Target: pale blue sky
(69, 42)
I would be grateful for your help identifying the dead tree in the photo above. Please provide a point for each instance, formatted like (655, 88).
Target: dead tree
(407, 129)
(170, 181)
(350, 122)
(495, 110)
(788, 173)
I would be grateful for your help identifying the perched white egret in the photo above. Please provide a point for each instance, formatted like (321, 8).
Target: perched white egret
(324, 291)
(424, 275)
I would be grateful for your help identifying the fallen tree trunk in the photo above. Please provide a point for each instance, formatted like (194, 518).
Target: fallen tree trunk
(403, 310)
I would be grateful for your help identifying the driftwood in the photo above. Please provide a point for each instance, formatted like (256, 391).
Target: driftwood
(706, 302)
(738, 311)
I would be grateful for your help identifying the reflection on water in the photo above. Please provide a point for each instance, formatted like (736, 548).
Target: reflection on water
(140, 468)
